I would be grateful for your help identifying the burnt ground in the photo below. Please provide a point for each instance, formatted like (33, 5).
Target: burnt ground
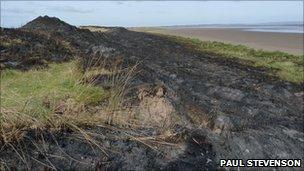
(23, 49)
(225, 109)
(67, 150)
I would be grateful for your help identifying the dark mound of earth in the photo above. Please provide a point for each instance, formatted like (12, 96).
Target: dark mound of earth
(53, 27)
(227, 110)
(49, 24)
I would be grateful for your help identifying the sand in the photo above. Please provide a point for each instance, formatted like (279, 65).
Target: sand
(286, 42)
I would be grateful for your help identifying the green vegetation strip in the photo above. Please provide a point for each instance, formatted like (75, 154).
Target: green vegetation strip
(286, 66)
(38, 94)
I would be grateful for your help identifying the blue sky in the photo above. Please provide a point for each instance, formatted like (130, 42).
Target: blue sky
(152, 13)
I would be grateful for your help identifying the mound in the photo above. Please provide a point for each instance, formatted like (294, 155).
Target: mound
(60, 30)
(49, 24)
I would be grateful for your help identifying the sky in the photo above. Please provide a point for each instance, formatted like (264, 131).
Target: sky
(152, 13)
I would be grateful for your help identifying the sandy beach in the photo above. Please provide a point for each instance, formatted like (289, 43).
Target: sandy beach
(271, 41)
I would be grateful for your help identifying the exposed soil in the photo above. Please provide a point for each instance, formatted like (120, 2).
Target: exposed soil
(221, 108)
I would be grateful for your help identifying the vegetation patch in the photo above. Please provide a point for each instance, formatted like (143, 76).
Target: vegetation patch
(32, 98)
(286, 66)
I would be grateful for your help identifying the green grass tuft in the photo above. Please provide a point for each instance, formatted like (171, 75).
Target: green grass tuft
(41, 93)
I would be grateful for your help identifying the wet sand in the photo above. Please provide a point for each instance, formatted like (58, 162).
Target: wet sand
(286, 42)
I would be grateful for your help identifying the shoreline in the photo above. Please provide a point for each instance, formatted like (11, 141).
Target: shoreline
(270, 41)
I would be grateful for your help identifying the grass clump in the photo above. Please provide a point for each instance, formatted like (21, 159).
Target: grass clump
(286, 66)
(32, 98)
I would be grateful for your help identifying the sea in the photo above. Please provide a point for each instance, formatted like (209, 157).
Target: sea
(254, 28)
(276, 29)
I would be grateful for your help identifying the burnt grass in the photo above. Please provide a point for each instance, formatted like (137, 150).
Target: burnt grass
(228, 109)
(23, 49)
